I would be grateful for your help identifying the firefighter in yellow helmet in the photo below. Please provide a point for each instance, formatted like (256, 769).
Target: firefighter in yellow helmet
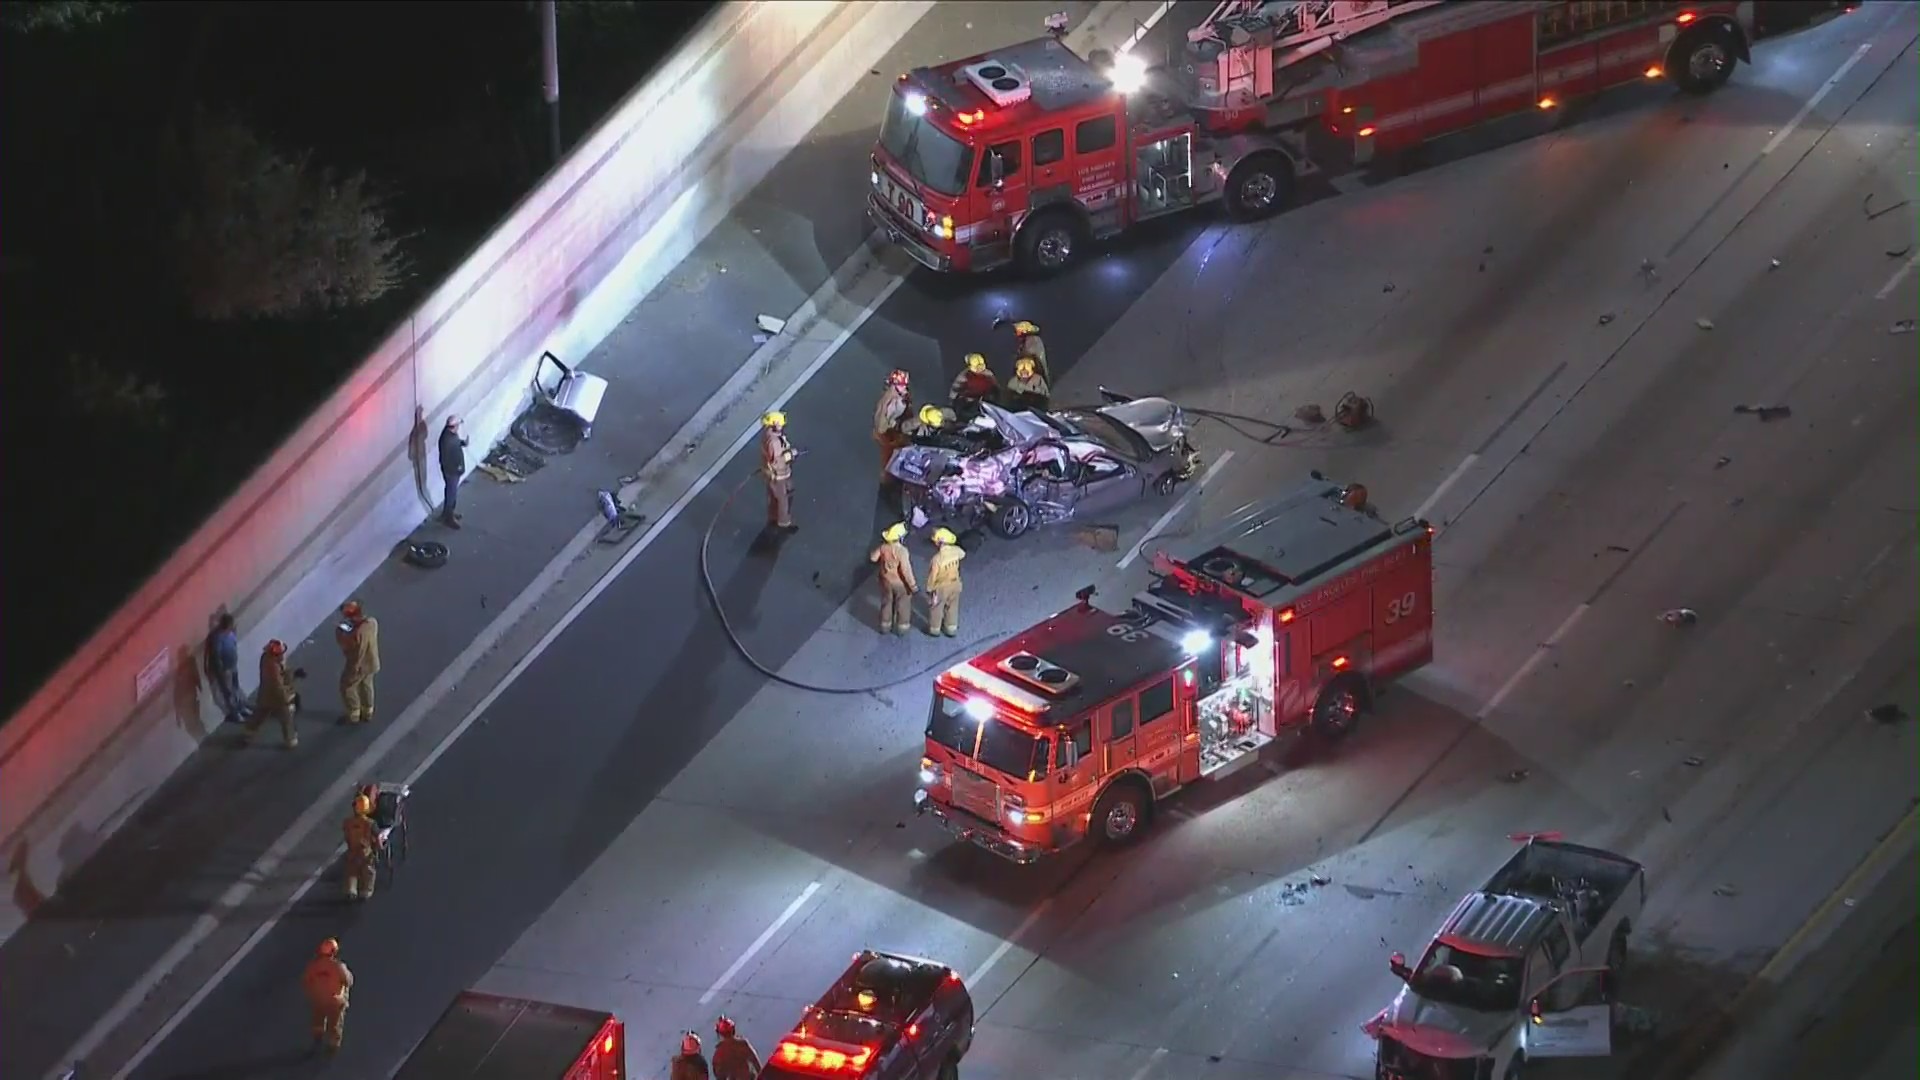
(943, 584)
(733, 1057)
(1027, 342)
(359, 637)
(276, 696)
(326, 982)
(363, 843)
(930, 421)
(776, 466)
(897, 585)
(1028, 389)
(690, 1064)
(896, 401)
(974, 383)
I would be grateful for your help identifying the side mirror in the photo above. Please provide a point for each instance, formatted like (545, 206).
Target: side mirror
(1397, 963)
(996, 169)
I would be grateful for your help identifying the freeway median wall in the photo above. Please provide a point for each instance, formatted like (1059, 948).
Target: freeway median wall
(564, 268)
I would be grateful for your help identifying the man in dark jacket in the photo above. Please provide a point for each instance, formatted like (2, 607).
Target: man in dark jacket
(691, 1064)
(453, 466)
(733, 1057)
(220, 657)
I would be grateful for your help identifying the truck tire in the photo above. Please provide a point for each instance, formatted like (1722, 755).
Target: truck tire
(1011, 519)
(1617, 957)
(1120, 815)
(949, 1069)
(1259, 186)
(1049, 243)
(1702, 60)
(1337, 710)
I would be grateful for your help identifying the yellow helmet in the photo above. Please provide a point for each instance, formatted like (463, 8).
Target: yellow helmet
(329, 947)
(1023, 367)
(1025, 329)
(774, 419)
(945, 536)
(931, 415)
(894, 531)
(362, 805)
(976, 362)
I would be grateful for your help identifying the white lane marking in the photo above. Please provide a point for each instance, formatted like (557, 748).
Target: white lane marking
(1899, 276)
(1172, 511)
(1140, 32)
(1153, 1060)
(1814, 101)
(1446, 485)
(760, 942)
(1006, 946)
(1533, 661)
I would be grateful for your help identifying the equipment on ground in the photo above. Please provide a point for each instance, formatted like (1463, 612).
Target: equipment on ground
(484, 1037)
(1026, 154)
(1289, 616)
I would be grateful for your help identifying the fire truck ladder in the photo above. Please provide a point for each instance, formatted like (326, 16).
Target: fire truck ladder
(1256, 38)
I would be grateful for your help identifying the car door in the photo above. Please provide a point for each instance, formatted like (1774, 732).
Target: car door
(1572, 1016)
(1107, 482)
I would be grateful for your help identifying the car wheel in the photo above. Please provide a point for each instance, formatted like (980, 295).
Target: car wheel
(1337, 710)
(1120, 814)
(1259, 186)
(1050, 243)
(1617, 959)
(1011, 519)
(1706, 60)
(1166, 484)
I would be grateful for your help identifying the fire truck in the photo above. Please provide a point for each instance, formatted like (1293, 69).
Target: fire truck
(486, 1037)
(1289, 616)
(1026, 154)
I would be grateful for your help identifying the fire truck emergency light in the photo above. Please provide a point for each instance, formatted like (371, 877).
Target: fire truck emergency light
(1129, 73)
(1196, 641)
(917, 104)
(979, 708)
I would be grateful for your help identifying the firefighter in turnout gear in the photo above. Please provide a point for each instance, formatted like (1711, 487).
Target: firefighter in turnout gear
(363, 842)
(930, 421)
(1027, 389)
(276, 696)
(690, 1064)
(733, 1057)
(359, 638)
(943, 584)
(1027, 342)
(975, 383)
(896, 402)
(776, 466)
(326, 982)
(897, 584)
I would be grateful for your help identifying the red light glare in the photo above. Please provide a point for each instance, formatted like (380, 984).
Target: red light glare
(1685, 17)
(1365, 132)
(1548, 103)
(1286, 616)
(606, 1045)
(823, 1060)
(913, 1031)
(1340, 662)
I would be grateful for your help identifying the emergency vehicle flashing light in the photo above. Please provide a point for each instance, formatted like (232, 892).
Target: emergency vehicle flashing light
(916, 103)
(1654, 72)
(1129, 73)
(1366, 132)
(1196, 641)
(1548, 103)
(979, 708)
(802, 1054)
(1685, 17)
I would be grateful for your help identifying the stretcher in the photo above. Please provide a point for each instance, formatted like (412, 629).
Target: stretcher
(389, 820)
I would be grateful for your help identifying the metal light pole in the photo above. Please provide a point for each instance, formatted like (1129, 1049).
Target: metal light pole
(550, 74)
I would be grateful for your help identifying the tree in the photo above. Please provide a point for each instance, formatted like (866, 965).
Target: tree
(28, 16)
(259, 234)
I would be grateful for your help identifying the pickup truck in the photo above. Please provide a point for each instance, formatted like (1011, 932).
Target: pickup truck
(1525, 968)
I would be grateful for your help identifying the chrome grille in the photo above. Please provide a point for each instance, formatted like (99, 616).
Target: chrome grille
(976, 794)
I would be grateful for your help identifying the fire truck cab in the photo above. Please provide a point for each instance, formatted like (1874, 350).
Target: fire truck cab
(1287, 616)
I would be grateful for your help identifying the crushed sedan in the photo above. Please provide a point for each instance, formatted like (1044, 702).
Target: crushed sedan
(1011, 471)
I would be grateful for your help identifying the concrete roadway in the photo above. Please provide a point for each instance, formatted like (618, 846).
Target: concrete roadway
(646, 825)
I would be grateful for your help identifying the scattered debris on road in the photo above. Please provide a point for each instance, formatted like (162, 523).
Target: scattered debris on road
(1894, 253)
(1722, 461)
(1887, 714)
(1352, 411)
(1765, 412)
(1387, 288)
(770, 324)
(1773, 264)
(1725, 890)
(1606, 318)
(1866, 207)
(1904, 326)
(1703, 323)
(1694, 761)
(1515, 776)
(1680, 616)
(1310, 414)
(1621, 550)
(1099, 537)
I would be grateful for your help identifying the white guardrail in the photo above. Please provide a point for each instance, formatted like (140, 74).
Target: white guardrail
(570, 261)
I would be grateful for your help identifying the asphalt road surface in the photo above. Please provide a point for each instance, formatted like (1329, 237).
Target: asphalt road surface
(645, 824)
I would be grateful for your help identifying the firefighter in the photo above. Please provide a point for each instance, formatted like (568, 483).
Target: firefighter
(691, 1064)
(1027, 342)
(897, 585)
(943, 584)
(975, 383)
(363, 842)
(276, 696)
(359, 638)
(327, 982)
(895, 403)
(733, 1057)
(931, 421)
(776, 465)
(1028, 388)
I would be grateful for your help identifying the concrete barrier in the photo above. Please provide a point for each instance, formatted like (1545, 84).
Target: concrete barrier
(570, 261)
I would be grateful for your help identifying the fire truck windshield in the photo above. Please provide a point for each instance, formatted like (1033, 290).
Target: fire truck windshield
(929, 155)
(991, 742)
(1466, 980)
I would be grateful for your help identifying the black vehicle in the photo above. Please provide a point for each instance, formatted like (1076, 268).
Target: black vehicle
(1011, 471)
(888, 1017)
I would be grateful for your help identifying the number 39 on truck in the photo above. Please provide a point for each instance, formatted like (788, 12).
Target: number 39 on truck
(1026, 154)
(1289, 616)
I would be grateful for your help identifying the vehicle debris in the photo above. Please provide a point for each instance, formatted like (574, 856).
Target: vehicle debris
(1904, 326)
(1352, 411)
(1765, 412)
(1703, 323)
(1866, 207)
(1387, 288)
(1310, 414)
(1722, 461)
(1618, 548)
(770, 324)
(1694, 761)
(1887, 714)
(1680, 616)
(1894, 253)
(1514, 776)
(1773, 264)
(1725, 890)
(1606, 318)
(1099, 537)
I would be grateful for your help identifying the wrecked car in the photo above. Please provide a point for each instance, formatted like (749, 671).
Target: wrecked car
(1011, 471)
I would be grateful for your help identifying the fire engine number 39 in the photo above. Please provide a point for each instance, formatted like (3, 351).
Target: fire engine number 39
(1403, 607)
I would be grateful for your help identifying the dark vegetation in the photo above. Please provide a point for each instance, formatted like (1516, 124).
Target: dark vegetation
(212, 211)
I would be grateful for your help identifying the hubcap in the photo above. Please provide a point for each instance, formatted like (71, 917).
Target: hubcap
(1121, 820)
(1707, 61)
(1339, 711)
(1016, 519)
(1055, 248)
(1259, 190)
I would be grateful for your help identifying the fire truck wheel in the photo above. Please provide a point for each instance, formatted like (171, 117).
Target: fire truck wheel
(1120, 813)
(1010, 520)
(1337, 710)
(1259, 186)
(1050, 243)
(1705, 59)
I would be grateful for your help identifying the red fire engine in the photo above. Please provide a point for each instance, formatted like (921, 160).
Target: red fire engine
(1289, 615)
(1025, 154)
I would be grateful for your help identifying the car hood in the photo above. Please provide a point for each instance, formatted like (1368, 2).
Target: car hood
(1157, 420)
(1437, 1030)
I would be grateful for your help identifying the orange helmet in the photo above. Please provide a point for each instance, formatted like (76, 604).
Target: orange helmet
(724, 1028)
(329, 947)
(276, 647)
(351, 609)
(897, 379)
(362, 805)
(689, 1043)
